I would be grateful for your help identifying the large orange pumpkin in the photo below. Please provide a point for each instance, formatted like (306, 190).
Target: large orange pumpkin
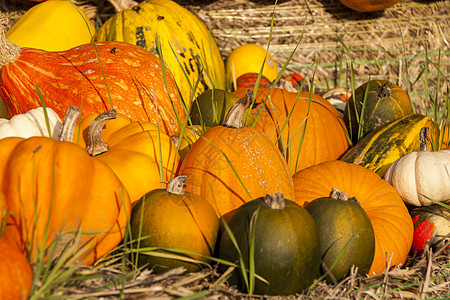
(143, 157)
(368, 5)
(392, 224)
(305, 127)
(232, 164)
(130, 74)
(56, 190)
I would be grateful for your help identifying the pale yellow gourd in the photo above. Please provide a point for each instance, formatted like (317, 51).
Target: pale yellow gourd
(53, 25)
(31, 123)
(421, 176)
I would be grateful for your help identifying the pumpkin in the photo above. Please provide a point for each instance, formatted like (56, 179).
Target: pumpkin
(233, 164)
(380, 148)
(431, 228)
(54, 25)
(445, 134)
(374, 104)
(250, 79)
(16, 275)
(368, 5)
(392, 224)
(249, 58)
(138, 152)
(191, 134)
(286, 251)
(305, 127)
(77, 198)
(134, 78)
(31, 123)
(345, 234)
(174, 219)
(181, 39)
(210, 107)
(423, 176)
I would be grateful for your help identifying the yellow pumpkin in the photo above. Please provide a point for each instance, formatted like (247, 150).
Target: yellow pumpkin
(59, 194)
(53, 25)
(187, 46)
(140, 153)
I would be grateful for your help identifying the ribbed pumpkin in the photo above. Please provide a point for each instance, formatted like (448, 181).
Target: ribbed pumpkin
(232, 164)
(174, 219)
(345, 234)
(380, 148)
(306, 131)
(55, 25)
(16, 275)
(392, 224)
(286, 245)
(368, 5)
(31, 123)
(374, 104)
(70, 191)
(186, 44)
(142, 156)
(134, 76)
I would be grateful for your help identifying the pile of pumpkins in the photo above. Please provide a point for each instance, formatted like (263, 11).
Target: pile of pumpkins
(148, 128)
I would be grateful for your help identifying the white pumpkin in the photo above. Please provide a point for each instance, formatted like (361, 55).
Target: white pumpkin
(31, 123)
(420, 176)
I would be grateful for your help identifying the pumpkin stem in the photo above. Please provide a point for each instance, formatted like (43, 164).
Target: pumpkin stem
(337, 194)
(95, 145)
(384, 90)
(68, 124)
(176, 186)
(235, 115)
(120, 5)
(275, 201)
(9, 52)
(424, 137)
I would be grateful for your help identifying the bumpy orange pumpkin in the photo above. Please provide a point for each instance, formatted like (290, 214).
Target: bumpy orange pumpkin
(392, 224)
(368, 5)
(232, 164)
(68, 190)
(306, 131)
(133, 76)
(143, 157)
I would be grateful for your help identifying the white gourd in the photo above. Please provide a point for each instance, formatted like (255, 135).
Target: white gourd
(31, 123)
(418, 176)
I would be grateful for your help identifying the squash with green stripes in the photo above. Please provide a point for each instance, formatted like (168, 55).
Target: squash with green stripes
(381, 147)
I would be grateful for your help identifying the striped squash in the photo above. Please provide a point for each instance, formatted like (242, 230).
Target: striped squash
(380, 148)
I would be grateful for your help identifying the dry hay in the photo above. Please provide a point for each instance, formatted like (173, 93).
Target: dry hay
(427, 277)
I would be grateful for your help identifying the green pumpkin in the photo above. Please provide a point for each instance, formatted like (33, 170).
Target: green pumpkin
(286, 244)
(384, 102)
(210, 108)
(345, 233)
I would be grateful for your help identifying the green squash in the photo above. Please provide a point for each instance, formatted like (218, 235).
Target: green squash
(381, 147)
(286, 243)
(345, 233)
(210, 108)
(385, 102)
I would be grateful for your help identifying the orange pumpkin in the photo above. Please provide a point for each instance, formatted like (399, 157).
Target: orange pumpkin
(445, 132)
(69, 191)
(392, 224)
(368, 5)
(306, 131)
(142, 156)
(133, 76)
(232, 164)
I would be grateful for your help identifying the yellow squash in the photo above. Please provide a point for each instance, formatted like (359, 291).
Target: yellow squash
(53, 25)
(187, 46)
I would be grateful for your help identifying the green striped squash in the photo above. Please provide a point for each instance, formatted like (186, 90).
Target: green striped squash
(381, 147)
